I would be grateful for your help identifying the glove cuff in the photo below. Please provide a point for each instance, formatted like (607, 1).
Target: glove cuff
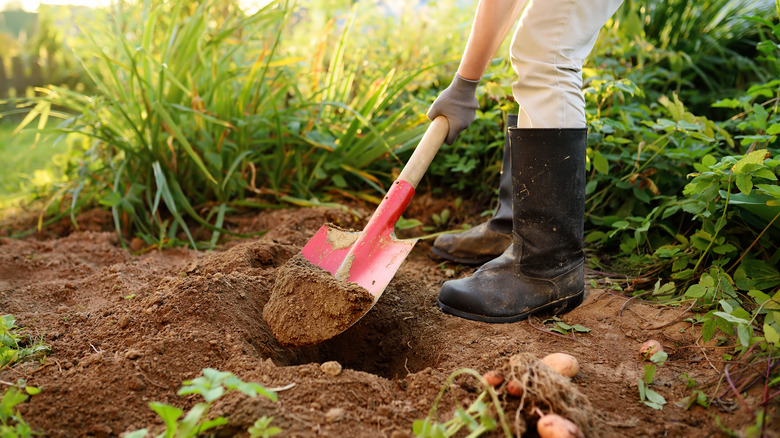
(464, 86)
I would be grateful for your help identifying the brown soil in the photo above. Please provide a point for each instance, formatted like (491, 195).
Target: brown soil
(309, 305)
(126, 330)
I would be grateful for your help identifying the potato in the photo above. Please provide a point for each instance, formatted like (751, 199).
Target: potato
(514, 388)
(555, 426)
(650, 348)
(493, 378)
(564, 364)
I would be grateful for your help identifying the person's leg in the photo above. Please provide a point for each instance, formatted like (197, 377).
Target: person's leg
(543, 270)
(489, 239)
(548, 49)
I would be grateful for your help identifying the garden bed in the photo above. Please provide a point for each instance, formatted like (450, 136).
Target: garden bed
(126, 330)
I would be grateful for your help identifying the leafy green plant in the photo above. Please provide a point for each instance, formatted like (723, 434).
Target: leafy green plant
(561, 327)
(699, 46)
(263, 429)
(647, 395)
(482, 415)
(12, 425)
(212, 385)
(13, 347)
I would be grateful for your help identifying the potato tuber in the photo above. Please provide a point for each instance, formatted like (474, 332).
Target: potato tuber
(650, 348)
(555, 426)
(564, 364)
(514, 388)
(493, 378)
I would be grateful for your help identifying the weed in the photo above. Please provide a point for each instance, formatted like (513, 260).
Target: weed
(211, 386)
(13, 347)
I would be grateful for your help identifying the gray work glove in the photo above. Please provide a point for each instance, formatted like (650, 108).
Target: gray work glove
(458, 103)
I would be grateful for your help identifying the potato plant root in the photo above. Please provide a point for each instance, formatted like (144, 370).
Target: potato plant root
(546, 389)
(127, 329)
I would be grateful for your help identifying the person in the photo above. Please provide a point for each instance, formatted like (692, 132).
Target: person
(532, 248)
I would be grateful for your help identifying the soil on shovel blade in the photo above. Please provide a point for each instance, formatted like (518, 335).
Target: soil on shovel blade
(309, 305)
(127, 329)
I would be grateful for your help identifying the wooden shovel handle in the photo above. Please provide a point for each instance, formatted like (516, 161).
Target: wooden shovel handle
(427, 148)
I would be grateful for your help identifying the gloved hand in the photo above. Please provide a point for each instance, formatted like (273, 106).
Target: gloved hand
(458, 103)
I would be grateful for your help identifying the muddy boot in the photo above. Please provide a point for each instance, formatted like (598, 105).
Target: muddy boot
(487, 240)
(543, 269)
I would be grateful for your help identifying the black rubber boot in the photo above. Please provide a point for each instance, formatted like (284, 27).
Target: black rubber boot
(543, 270)
(487, 240)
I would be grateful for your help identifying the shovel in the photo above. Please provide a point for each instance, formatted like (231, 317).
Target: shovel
(371, 258)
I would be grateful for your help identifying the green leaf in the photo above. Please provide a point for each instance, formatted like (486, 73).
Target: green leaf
(744, 183)
(654, 397)
(659, 357)
(771, 335)
(708, 329)
(696, 291)
(731, 318)
(755, 157)
(169, 414)
(759, 296)
(650, 370)
(190, 424)
(32, 390)
(428, 429)
(600, 163)
(761, 116)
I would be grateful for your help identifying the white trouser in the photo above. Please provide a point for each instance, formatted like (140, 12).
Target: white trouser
(549, 46)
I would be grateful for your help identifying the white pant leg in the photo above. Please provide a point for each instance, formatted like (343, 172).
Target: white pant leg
(549, 46)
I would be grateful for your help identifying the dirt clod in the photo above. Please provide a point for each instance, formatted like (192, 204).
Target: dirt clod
(331, 368)
(309, 305)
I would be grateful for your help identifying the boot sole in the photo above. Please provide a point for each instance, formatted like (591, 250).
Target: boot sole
(560, 306)
(463, 261)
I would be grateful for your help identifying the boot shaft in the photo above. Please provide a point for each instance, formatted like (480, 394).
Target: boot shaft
(501, 222)
(548, 178)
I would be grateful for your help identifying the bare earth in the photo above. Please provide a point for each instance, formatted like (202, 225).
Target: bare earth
(127, 329)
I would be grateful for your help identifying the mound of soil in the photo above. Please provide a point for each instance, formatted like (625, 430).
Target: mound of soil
(126, 330)
(309, 305)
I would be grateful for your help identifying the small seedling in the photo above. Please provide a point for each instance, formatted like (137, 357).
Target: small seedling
(263, 429)
(646, 395)
(563, 328)
(12, 346)
(11, 422)
(212, 385)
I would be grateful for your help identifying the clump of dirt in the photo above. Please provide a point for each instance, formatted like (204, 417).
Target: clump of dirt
(309, 305)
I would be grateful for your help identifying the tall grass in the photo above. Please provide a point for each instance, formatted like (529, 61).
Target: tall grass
(199, 107)
(702, 47)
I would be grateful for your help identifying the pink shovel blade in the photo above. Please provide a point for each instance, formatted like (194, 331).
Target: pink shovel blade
(370, 258)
